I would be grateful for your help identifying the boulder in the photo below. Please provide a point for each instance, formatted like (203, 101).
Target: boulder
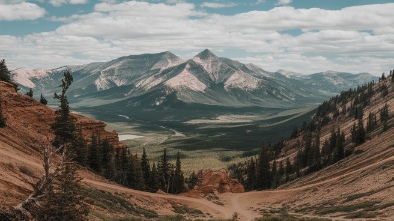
(210, 181)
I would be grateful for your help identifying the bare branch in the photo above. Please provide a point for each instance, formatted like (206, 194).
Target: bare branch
(39, 188)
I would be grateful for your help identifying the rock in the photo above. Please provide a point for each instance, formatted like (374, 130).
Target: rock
(210, 181)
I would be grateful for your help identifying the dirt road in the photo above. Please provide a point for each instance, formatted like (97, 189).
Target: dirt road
(247, 205)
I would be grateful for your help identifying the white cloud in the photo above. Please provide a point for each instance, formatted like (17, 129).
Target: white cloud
(260, 2)
(174, 1)
(284, 2)
(218, 5)
(73, 2)
(342, 40)
(368, 17)
(314, 64)
(11, 1)
(21, 11)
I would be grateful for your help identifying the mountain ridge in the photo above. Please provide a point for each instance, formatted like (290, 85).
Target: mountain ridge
(205, 73)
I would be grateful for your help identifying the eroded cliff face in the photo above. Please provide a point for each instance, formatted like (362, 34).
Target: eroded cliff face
(28, 122)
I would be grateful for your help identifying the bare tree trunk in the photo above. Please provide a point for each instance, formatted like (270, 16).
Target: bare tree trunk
(31, 203)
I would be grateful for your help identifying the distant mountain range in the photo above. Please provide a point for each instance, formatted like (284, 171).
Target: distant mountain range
(165, 80)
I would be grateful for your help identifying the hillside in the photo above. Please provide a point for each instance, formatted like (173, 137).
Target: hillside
(28, 130)
(359, 186)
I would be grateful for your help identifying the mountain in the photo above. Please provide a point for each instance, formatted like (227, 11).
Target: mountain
(204, 79)
(195, 97)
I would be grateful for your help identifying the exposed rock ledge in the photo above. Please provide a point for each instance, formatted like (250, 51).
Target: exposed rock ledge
(210, 181)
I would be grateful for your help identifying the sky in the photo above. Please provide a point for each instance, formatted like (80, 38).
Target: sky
(304, 36)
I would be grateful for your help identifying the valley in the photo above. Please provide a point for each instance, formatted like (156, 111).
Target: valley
(196, 105)
(216, 142)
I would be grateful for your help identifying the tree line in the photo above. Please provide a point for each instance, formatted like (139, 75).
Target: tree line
(268, 171)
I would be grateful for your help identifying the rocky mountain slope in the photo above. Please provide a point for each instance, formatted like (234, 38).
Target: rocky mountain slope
(163, 93)
(205, 79)
(28, 130)
(362, 184)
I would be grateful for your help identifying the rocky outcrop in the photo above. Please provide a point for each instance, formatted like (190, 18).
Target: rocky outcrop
(29, 119)
(210, 181)
(94, 127)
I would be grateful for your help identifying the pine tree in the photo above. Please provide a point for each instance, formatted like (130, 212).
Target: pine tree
(250, 183)
(354, 133)
(30, 93)
(64, 200)
(281, 171)
(118, 166)
(5, 74)
(146, 169)
(43, 100)
(289, 167)
(135, 178)
(95, 154)
(81, 148)
(360, 132)
(326, 153)
(392, 75)
(124, 167)
(107, 159)
(2, 118)
(315, 163)
(263, 171)
(371, 123)
(384, 113)
(179, 180)
(274, 175)
(333, 140)
(164, 171)
(339, 154)
(154, 183)
(307, 153)
(64, 123)
(192, 180)
(297, 164)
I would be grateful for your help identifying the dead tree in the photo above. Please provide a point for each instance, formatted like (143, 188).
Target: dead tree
(31, 204)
